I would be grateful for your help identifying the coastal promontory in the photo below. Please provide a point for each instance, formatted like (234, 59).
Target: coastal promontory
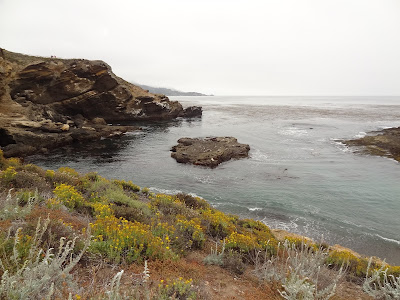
(382, 143)
(49, 102)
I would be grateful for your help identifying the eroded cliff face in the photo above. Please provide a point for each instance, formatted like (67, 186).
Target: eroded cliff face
(47, 103)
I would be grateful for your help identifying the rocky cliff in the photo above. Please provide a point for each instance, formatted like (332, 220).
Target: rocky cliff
(49, 102)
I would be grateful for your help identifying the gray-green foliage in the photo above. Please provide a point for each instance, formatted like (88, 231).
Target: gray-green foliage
(302, 272)
(114, 292)
(140, 291)
(9, 208)
(380, 285)
(42, 272)
(215, 258)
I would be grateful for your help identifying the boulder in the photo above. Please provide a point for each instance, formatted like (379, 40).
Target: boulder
(208, 152)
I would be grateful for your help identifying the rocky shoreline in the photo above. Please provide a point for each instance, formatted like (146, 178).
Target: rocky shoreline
(47, 103)
(385, 143)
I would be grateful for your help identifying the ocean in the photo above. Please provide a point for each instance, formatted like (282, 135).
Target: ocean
(298, 177)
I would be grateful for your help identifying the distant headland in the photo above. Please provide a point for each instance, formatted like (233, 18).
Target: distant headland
(169, 92)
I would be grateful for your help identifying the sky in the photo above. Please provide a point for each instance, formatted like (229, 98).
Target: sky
(222, 47)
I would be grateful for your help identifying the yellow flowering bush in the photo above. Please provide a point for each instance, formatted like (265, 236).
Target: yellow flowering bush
(394, 270)
(217, 223)
(8, 175)
(176, 289)
(69, 171)
(254, 225)
(50, 174)
(356, 266)
(191, 231)
(127, 185)
(241, 242)
(13, 162)
(161, 229)
(2, 159)
(123, 240)
(54, 203)
(168, 205)
(68, 195)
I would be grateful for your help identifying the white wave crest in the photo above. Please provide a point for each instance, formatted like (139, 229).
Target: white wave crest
(254, 208)
(164, 191)
(388, 239)
(293, 131)
(360, 135)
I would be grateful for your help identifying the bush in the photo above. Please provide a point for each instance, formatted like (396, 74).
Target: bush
(25, 197)
(233, 261)
(34, 169)
(122, 240)
(2, 160)
(31, 273)
(127, 185)
(176, 289)
(69, 196)
(303, 272)
(29, 180)
(8, 177)
(170, 206)
(215, 258)
(11, 210)
(379, 284)
(65, 176)
(356, 266)
(136, 211)
(69, 171)
(190, 232)
(193, 202)
(218, 224)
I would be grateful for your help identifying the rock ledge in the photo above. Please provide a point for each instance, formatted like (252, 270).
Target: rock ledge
(209, 151)
(381, 143)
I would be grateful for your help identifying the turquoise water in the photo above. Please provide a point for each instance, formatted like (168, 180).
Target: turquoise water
(298, 176)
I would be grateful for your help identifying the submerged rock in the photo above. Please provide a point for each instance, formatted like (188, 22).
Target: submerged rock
(208, 152)
(382, 143)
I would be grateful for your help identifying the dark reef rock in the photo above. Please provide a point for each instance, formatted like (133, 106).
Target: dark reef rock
(208, 152)
(192, 111)
(382, 143)
(48, 103)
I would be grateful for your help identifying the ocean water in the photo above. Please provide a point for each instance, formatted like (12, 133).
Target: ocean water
(298, 177)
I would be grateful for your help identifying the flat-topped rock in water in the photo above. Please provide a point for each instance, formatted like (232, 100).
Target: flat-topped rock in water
(208, 152)
(382, 143)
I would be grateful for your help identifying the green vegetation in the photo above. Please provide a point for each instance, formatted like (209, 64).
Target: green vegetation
(91, 222)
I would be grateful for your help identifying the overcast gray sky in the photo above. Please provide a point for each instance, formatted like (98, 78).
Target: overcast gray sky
(224, 47)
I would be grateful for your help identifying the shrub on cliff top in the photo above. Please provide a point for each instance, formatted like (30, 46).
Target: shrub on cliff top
(69, 196)
(218, 224)
(29, 272)
(380, 284)
(193, 202)
(303, 271)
